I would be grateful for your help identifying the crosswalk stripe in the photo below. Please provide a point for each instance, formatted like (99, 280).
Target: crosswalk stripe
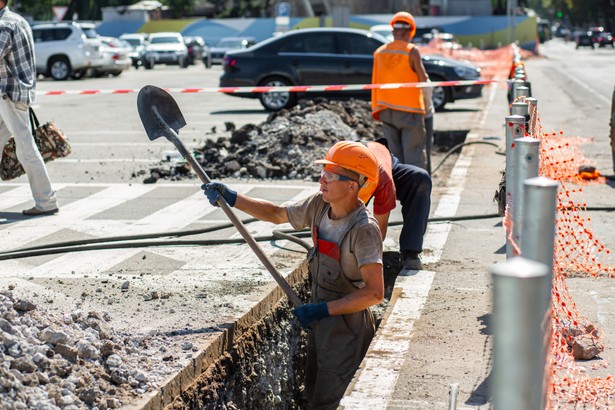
(174, 217)
(70, 216)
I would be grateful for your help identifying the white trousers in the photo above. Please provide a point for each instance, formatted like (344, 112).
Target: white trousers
(15, 122)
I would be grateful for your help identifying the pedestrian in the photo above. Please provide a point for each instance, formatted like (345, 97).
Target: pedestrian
(411, 185)
(345, 266)
(17, 86)
(401, 110)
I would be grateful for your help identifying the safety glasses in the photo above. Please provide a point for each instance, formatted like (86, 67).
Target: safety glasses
(331, 177)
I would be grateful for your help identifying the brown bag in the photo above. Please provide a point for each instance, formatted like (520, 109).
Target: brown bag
(49, 139)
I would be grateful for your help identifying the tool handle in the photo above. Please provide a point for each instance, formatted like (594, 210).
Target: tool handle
(290, 293)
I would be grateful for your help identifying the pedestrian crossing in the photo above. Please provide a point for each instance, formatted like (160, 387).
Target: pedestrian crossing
(89, 211)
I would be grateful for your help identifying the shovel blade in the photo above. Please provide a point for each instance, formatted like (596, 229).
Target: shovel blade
(159, 112)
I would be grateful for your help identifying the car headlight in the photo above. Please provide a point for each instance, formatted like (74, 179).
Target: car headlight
(467, 72)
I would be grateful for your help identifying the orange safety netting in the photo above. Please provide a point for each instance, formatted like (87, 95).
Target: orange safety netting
(494, 64)
(578, 252)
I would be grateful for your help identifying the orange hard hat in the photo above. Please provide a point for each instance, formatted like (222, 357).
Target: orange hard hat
(357, 158)
(403, 19)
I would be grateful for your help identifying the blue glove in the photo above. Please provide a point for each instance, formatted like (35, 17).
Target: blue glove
(214, 190)
(310, 313)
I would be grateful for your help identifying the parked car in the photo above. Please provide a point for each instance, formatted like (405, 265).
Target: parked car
(116, 57)
(197, 50)
(385, 30)
(323, 56)
(138, 43)
(584, 39)
(605, 39)
(64, 50)
(227, 44)
(166, 48)
(446, 40)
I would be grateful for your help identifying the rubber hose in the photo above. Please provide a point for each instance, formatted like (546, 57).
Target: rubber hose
(456, 147)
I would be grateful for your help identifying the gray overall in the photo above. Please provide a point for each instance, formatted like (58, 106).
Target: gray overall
(337, 344)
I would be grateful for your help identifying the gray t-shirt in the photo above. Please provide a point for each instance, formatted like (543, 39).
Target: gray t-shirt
(362, 245)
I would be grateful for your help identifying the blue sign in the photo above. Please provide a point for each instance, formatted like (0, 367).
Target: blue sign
(282, 9)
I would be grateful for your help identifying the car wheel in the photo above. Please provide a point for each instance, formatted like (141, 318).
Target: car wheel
(184, 63)
(439, 97)
(207, 62)
(59, 68)
(79, 74)
(276, 101)
(148, 64)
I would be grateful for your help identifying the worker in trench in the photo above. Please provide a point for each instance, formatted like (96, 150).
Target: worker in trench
(345, 265)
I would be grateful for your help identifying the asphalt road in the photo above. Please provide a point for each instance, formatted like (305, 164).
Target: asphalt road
(448, 324)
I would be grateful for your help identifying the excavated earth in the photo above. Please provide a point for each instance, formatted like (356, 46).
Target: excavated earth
(77, 360)
(284, 146)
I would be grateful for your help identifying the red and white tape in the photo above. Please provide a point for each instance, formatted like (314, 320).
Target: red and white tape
(292, 89)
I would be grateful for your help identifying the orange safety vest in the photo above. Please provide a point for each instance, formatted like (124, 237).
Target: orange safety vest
(392, 65)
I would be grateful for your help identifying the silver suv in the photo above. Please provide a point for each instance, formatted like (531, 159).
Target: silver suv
(65, 50)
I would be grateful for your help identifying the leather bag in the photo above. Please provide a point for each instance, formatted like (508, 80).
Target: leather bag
(51, 143)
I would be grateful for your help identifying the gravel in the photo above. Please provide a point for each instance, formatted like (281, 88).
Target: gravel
(73, 361)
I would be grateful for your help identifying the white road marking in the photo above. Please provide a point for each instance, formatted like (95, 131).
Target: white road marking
(95, 160)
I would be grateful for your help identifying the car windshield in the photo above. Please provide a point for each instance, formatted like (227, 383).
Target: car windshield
(90, 33)
(234, 43)
(161, 40)
(133, 41)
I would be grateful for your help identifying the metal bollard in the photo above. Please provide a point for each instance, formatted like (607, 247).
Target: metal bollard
(533, 111)
(515, 128)
(521, 91)
(513, 89)
(538, 226)
(523, 109)
(521, 334)
(525, 159)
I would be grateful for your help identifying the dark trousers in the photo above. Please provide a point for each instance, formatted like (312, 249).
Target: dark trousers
(413, 185)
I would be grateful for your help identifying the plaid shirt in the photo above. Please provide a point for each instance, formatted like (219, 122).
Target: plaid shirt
(17, 66)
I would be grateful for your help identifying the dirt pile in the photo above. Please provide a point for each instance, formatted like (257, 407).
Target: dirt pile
(284, 146)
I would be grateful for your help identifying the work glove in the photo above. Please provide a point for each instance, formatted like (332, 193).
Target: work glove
(310, 313)
(214, 190)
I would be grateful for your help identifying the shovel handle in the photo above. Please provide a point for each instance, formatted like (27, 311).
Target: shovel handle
(290, 293)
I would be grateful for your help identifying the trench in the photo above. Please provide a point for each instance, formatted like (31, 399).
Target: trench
(259, 362)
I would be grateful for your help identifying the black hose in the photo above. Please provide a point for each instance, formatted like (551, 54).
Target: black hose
(456, 147)
(123, 242)
(133, 237)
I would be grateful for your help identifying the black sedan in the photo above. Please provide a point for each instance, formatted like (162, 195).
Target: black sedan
(334, 56)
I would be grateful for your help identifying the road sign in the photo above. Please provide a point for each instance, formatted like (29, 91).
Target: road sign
(282, 9)
(59, 12)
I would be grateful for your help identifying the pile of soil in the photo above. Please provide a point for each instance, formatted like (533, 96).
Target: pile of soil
(284, 146)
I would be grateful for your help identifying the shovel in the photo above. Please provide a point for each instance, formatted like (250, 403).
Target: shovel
(161, 117)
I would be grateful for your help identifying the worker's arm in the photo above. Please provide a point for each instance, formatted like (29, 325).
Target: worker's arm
(417, 65)
(371, 294)
(259, 208)
(262, 209)
(383, 222)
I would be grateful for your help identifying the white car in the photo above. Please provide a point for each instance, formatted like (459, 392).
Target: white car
(116, 57)
(138, 42)
(166, 48)
(64, 50)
